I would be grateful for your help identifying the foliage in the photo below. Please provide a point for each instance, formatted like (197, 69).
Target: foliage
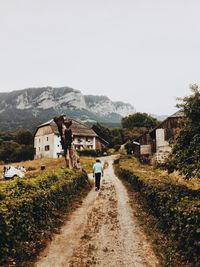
(31, 208)
(134, 126)
(89, 152)
(139, 120)
(103, 132)
(24, 137)
(176, 206)
(17, 146)
(117, 136)
(186, 150)
(131, 148)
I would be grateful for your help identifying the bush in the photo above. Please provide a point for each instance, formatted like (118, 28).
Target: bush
(176, 207)
(90, 152)
(30, 208)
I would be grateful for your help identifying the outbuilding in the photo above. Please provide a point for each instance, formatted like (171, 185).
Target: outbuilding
(156, 144)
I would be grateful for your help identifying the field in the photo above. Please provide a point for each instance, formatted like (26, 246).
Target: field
(150, 173)
(33, 167)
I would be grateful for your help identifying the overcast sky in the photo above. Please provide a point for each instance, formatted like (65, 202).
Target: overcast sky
(144, 52)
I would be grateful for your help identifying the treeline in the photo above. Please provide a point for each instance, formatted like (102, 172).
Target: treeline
(133, 126)
(17, 146)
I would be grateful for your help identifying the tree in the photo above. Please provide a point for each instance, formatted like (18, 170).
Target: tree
(139, 120)
(186, 150)
(15, 147)
(9, 151)
(24, 137)
(103, 132)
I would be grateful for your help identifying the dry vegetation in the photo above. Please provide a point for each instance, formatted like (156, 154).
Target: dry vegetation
(33, 167)
(150, 173)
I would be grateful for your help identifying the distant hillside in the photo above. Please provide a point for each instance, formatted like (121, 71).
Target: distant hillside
(31, 107)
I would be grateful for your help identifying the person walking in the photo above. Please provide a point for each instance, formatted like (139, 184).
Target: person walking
(97, 173)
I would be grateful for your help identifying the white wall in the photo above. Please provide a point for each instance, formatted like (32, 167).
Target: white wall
(53, 141)
(40, 142)
(57, 147)
(162, 146)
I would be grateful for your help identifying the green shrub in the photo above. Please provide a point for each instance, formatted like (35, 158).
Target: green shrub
(176, 207)
(29, 208)
(90, 152)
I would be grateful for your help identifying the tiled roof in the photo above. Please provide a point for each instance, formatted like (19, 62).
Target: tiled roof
(78, 128)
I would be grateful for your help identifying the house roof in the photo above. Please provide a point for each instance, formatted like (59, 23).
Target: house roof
(78, 129)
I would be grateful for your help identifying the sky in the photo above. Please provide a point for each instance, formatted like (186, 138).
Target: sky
(143, 52)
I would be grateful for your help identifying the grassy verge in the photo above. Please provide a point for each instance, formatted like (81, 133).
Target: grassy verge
(167, 203)
(31, 208)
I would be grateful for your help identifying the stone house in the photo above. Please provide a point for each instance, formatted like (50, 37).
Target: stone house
(155, 145)
(47, 140)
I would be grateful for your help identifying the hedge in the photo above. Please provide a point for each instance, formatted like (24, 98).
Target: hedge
(176, 207)
(29, 209)
(90, 152)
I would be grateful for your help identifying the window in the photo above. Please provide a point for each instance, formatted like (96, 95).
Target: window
(47, 138)
(39, 140)
(46, 148)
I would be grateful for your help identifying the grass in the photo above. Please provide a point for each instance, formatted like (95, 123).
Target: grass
(50, 165)
(150, 173)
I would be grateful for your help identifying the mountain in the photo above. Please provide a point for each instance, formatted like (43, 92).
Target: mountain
(31, 107)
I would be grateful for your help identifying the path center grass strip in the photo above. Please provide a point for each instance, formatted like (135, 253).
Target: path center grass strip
(30, 208)
(176, 206)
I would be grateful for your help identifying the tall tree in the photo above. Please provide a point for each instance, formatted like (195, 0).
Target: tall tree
(186, 150)
(24, 137)
(139, 120)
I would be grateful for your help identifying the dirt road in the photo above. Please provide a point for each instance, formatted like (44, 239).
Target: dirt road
(102, 232)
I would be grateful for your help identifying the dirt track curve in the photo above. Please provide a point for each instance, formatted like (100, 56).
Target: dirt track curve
(102, 232)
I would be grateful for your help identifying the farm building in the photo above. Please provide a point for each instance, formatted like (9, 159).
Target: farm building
(156, 144)
(47, 139)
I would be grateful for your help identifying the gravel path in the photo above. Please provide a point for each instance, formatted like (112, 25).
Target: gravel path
(102, 232)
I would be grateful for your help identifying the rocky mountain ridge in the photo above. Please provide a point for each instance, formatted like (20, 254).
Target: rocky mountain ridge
(41, 104)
